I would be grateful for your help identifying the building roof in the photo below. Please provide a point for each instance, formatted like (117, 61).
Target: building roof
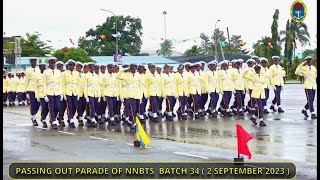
(125, 59)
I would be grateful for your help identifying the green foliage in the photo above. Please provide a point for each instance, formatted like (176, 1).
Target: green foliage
(8, 48)
(194, 51)
(275, 35)
(76, 54)
(99, 41)
(262, 48)
(166, 48)
(32, 46)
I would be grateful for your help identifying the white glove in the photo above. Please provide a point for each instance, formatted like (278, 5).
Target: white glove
(122, 100)
(104, 98)
(78, 98)
(118, 98)
(99, 99)
(28, 97)
(61, 98)
(281, 88)
(221, 92)
(87, 99)
(274, 87)
(46, 99)
(65, 97)
(38, 99)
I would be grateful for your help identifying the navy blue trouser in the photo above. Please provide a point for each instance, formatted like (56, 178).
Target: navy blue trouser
(214, 97)
(189, 102)
(266, 92)
(238, 100)
(44, 109)
(5, 97)
(81, 106)
(154, 104)
(196, 102)
(34, 104)
(310, 93)
(119, 103)
(72, 103)
(12, 97)
(54, 106)
(93, 101)
(20, 97)
(130, 108)
(98, 108)
(104, 106)
(257, 103)
(277, 98)
(62, 110)
(182, 104)
(160, 100)
(142, 106)
(250, 103)
(169, 103)
(204, 98)
(24, 97)
(111, 103)
(226, 99)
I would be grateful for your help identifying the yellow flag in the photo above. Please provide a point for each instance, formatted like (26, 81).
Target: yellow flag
(141, 135)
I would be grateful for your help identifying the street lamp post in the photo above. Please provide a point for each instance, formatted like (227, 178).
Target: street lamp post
(215, 47)
(17, 50)
(116, 28)
(165, 25)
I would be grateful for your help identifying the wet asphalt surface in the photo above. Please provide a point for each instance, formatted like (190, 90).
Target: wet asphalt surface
(288, 137)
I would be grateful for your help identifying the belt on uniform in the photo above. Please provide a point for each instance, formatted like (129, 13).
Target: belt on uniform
(126, 86)
(258, 85)
(31, 80)
(168, 86)
(71, 85)
(239, 81)
(92, 86)
(211, 82)
(52, 84)
(133, 86)
(311, 79)
(154, 86)
(40, 87)
(182, 84)
(111, 86)
(195, 83)
(278, 76)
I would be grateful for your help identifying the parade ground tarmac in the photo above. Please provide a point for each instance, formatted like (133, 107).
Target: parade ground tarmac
(288, 137)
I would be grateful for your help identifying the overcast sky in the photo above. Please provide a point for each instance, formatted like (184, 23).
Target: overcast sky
(61, 20)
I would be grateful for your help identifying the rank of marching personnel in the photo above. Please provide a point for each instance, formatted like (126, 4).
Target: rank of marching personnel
(101, 94)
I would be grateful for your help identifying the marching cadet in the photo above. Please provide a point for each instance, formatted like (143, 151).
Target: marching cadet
(153, 88)
(52, 91)
(257, 95)
(24, 97)
(31, 76)
(187, 66)
(20, 88)
(81, 99)
(119, 102)
(98, 104)
(12, 84)
(266, 74)
(238, 84)
(143, 94)
(5, 88)
(256, 59)
(277, 74)
(194, 90)
(87, 108)
(226, 87)
(213, 87)
(123, 94)
(248, 83)
(63, 104)
(168, 91)
(110, 92)
(70, 87)
(40, 96)
(91, 93)
(309, 72)
(160, 101)
(103, 103)
(131, 80)
(204, 85)
(181, 82)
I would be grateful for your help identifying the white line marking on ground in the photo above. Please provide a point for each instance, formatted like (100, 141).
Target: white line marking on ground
(130, 144)
(148, 147)
(40, 127)
(66, 132)
(24, 125)
(98, 138)
(191, 155)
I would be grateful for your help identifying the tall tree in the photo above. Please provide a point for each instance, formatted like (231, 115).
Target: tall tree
(194, 51)
(166, 48)
(102, 39)
(76, 54)
(205, 44)
(262, 48)
(32, 46)
(275, 35)
(236, 45)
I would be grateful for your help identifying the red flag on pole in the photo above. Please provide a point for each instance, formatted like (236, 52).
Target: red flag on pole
(243, 138)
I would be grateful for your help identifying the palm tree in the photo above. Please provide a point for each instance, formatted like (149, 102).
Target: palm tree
(166, 48)
(294, 32)
(262, 48)
(194, 51)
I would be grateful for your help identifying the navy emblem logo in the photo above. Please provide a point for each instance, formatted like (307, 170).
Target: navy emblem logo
(298, 11)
